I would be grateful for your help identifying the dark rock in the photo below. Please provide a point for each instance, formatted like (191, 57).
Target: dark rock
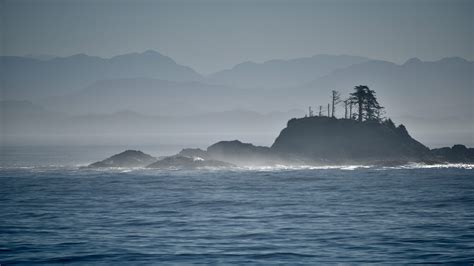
(242, 153)
(128, 158)
(194, 153)
(182, 162)
(457, 154)
(345, 140)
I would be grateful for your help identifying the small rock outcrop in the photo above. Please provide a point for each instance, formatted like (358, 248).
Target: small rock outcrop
(194, 153)
(128, 158)
(456, 154)
(188, 163)
(240, 153)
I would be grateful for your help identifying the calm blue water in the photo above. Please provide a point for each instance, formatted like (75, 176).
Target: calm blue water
(63, 214)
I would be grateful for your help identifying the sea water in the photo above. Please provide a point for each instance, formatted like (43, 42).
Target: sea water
(58, 213)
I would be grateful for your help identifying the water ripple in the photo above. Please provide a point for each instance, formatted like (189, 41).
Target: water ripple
(350, 214)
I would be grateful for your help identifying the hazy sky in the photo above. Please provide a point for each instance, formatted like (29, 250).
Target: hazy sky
(212, 35)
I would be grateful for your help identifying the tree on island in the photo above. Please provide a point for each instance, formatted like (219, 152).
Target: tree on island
(336, 99)
(369, 107)
(359, 97)
(363, 97)
(348, 108)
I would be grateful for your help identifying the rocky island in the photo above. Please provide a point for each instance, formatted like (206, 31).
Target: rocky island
(326, 139)
(360, 138)
(128, 158)
(307, 141)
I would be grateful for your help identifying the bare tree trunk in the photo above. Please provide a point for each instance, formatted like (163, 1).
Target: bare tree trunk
(345, 109)
(329, 110)
(336, 99)
(350, 110)
(333, 100)
(320, 110)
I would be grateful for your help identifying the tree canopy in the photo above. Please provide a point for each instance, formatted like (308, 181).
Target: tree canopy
(369, 107)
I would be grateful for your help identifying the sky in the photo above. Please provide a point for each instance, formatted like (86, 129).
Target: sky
(215, 35)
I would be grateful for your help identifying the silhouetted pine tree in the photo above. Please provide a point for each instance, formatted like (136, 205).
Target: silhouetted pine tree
(372, 107)
(369, 107)
(359, 98)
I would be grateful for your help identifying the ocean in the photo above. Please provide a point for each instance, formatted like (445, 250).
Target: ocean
(51, 211)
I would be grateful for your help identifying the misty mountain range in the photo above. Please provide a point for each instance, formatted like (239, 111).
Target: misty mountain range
(424, 95)
(28, 78)
(283, 73)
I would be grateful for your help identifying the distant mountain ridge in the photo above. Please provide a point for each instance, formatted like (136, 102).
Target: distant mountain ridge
(43, 57)
(149, 96)
(26, 78)
(34, 77)
(283, 73)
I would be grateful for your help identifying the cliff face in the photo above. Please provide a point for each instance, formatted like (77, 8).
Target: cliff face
(330, 139)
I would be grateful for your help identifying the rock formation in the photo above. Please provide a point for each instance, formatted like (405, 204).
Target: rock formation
(128, 158)
(340, 140)
(188, 163)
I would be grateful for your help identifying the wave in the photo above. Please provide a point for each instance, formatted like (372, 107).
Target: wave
(357, 167)
(303, 167)
(273, 168)
(430, 166)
